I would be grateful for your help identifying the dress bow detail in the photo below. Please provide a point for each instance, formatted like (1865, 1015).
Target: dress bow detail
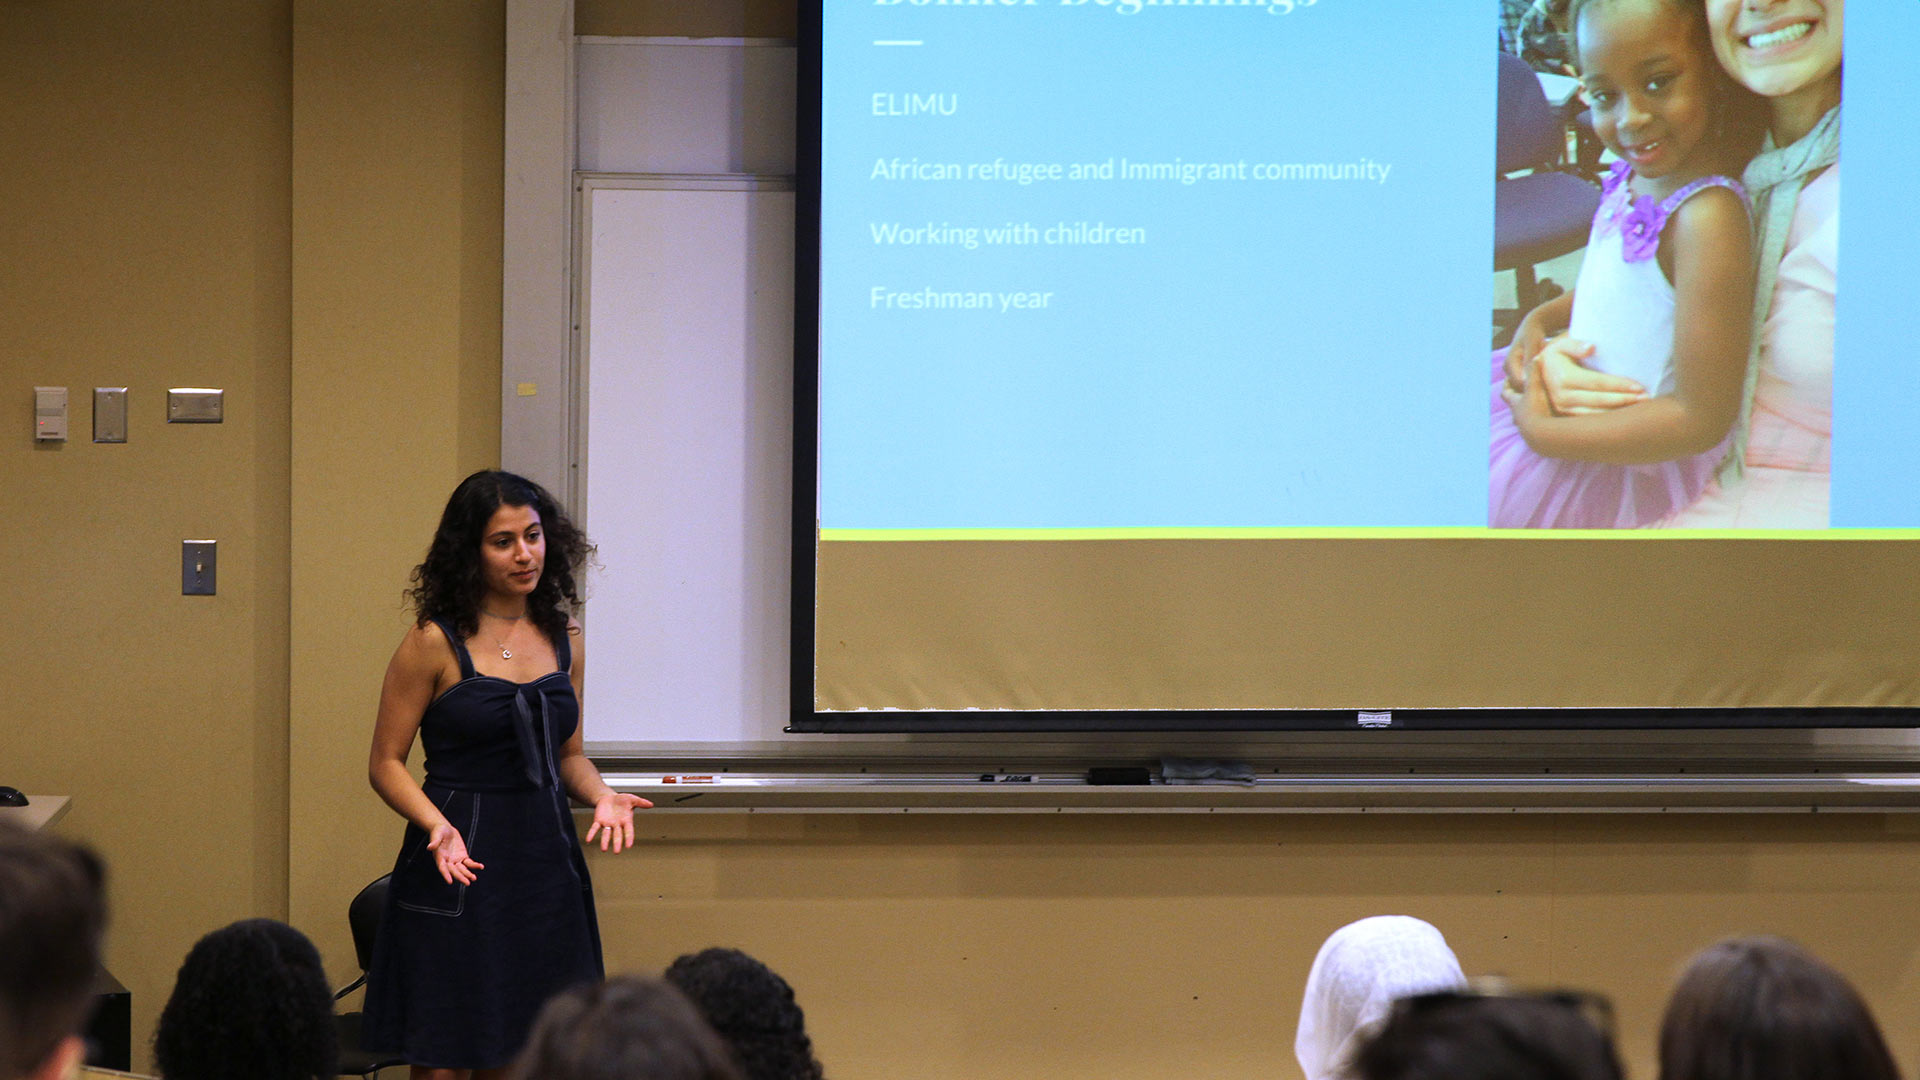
(532, 729)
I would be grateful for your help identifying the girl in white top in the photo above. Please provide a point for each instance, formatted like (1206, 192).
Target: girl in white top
(1664, 295)
(1777, 474)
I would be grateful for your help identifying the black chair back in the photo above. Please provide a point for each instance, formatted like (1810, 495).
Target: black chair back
(364, 915)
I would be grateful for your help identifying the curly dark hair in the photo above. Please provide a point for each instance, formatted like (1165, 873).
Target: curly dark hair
(753, 1009)
(251, 1003)
(626, 1028)
(449, 586)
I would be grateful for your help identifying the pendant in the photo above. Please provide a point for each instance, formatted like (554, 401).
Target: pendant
(506, 653)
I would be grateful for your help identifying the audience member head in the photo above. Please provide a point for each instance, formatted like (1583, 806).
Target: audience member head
(1361, 969)
(623, 1029)
(250, 1003)
(1766, 1009)
(1455, 1036)
(752, 1009)
(52, 914)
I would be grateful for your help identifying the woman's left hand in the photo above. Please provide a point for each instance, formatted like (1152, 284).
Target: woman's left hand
(613, 820)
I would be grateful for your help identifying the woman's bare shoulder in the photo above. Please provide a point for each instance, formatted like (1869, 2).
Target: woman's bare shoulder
(425, 644)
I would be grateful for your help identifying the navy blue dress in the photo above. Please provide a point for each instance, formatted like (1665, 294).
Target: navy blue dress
(460, 971)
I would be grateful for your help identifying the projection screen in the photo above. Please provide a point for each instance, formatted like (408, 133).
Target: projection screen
(1149, 372)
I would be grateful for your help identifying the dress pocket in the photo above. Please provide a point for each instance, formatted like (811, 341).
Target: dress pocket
(417, 884)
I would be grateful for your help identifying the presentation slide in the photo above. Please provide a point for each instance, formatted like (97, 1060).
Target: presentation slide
(1091, 265)
(1268, 355)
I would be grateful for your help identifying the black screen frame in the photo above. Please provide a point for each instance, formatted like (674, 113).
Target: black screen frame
(805, 717)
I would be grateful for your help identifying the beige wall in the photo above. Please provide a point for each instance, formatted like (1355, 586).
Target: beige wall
(1113, 948)
(396, 132)
(300, 202)
(144, 243)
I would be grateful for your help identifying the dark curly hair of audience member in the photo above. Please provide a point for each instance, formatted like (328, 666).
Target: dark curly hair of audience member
(753, 1009)
(251, 1003)
(1765, 1009)
(626, 1028)
(1470, 1037)
(52, 914)
(448, 584)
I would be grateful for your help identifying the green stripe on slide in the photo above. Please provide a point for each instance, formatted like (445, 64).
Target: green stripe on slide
(1157, 533)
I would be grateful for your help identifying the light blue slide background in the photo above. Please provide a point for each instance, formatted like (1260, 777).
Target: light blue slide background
(1278, 354)
(1876, 378)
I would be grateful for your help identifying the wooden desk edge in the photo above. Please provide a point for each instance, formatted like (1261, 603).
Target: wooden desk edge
(40, 811)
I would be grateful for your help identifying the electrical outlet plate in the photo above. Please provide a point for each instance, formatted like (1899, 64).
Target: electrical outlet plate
(110, 414)
(194, 405)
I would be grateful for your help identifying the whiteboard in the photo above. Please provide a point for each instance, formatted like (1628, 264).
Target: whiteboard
(686, 453)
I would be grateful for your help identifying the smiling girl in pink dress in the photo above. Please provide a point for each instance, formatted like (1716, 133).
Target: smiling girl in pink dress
(1664, 295)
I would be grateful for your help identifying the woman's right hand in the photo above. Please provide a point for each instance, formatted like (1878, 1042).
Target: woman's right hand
(1573, 388)
(450, 855)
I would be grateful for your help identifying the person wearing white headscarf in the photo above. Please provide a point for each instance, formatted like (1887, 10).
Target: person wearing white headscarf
(1361, 969)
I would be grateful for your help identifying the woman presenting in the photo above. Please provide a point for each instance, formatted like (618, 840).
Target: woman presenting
(490, 911)
(1778, 474)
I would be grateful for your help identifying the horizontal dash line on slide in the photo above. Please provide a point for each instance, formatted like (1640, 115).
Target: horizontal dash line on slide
(899, 43)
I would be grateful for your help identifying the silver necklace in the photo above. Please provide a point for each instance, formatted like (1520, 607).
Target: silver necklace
(513, 622)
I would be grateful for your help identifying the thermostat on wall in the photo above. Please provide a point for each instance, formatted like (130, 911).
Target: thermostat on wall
(50, 414)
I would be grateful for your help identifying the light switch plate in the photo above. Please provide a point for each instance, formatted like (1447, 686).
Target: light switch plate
(197, 567)
(50, 414)
(110, 414)
(194, 405)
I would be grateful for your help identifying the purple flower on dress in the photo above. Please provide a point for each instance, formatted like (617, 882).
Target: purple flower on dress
(1640, 224)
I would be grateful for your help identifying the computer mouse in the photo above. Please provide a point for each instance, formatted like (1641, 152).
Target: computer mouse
(11, 797)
